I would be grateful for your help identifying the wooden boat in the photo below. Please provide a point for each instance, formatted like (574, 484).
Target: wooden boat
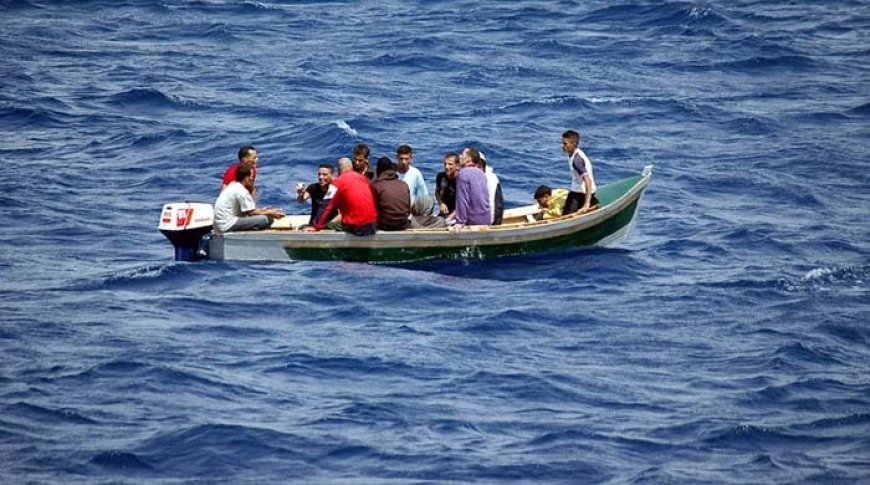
(520, 234)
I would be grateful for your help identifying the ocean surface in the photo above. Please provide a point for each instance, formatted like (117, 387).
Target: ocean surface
(727, 341)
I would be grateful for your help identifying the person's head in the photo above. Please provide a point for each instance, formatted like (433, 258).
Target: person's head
(404, 155)
(384, 164)
(451, 165)
(361, 158)
(344, 165)
(470, 157)
(570, 141)
(542, 195)
(324, 174)
(245, 176)
(248, 156)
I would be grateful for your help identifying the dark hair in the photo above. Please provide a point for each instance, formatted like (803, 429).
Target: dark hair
(404, 149)
(245, 150)
(242, 172)
(361, 149)
(572, 135)
(542, 191)
(327, 166)
(384, 164)
(452, 155)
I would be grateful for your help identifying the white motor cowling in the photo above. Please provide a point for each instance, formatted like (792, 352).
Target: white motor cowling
(185, 224)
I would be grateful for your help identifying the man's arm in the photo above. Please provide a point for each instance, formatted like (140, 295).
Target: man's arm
(266, 211)
(587, 197)
(461, 212)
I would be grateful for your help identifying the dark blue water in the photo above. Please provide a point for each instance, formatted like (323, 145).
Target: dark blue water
(726, 341)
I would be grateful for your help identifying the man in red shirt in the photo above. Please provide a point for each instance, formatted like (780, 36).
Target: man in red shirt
(247, 156)
(355, 202)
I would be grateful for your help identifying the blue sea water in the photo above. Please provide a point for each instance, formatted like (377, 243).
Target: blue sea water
(726, 341)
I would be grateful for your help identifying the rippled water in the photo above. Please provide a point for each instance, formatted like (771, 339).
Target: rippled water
(726, 341)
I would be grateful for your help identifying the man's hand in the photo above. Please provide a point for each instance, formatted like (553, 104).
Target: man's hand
(272, 212)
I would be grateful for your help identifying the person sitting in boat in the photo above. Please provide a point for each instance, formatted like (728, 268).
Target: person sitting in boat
(550, 201)
(235, 209)
(408, 174)
(247, 156)
(318, 193)
(361, 161)
(423, 214)
(493, 186)
(445, 185)
(472, 195)
(392, 198)
(355, 203)
(581, 197)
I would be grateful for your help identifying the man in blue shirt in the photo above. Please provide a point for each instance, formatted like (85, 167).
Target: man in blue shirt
(408, 174)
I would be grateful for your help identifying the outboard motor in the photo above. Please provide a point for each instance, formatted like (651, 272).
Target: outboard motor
(185, 224)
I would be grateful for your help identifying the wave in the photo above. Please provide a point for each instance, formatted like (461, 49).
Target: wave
(660, 15)
(142, 277)
(44, 416)
(20, 118)
(862, 110)
(755, 63)
(121, 461)
(412, 62)
(158, 379)
(152, 99)
(321, 367)
(815, 280)
(756, 437)
(825, 278)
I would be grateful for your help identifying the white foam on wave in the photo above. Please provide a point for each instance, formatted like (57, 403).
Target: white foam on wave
(819, 273)
(849, 277)
(346, 127)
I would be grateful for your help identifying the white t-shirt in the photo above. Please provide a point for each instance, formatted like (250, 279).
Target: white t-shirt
(233, 202)
(578, 164)
(415, 182)
(491, 185)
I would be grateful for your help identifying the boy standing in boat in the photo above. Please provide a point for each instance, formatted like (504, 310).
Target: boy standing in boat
(581, 197)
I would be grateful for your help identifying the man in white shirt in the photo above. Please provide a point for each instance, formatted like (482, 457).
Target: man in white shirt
(235, 209)
(408, 174)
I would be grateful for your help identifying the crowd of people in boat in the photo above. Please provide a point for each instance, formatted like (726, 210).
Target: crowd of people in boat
(394, 196)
